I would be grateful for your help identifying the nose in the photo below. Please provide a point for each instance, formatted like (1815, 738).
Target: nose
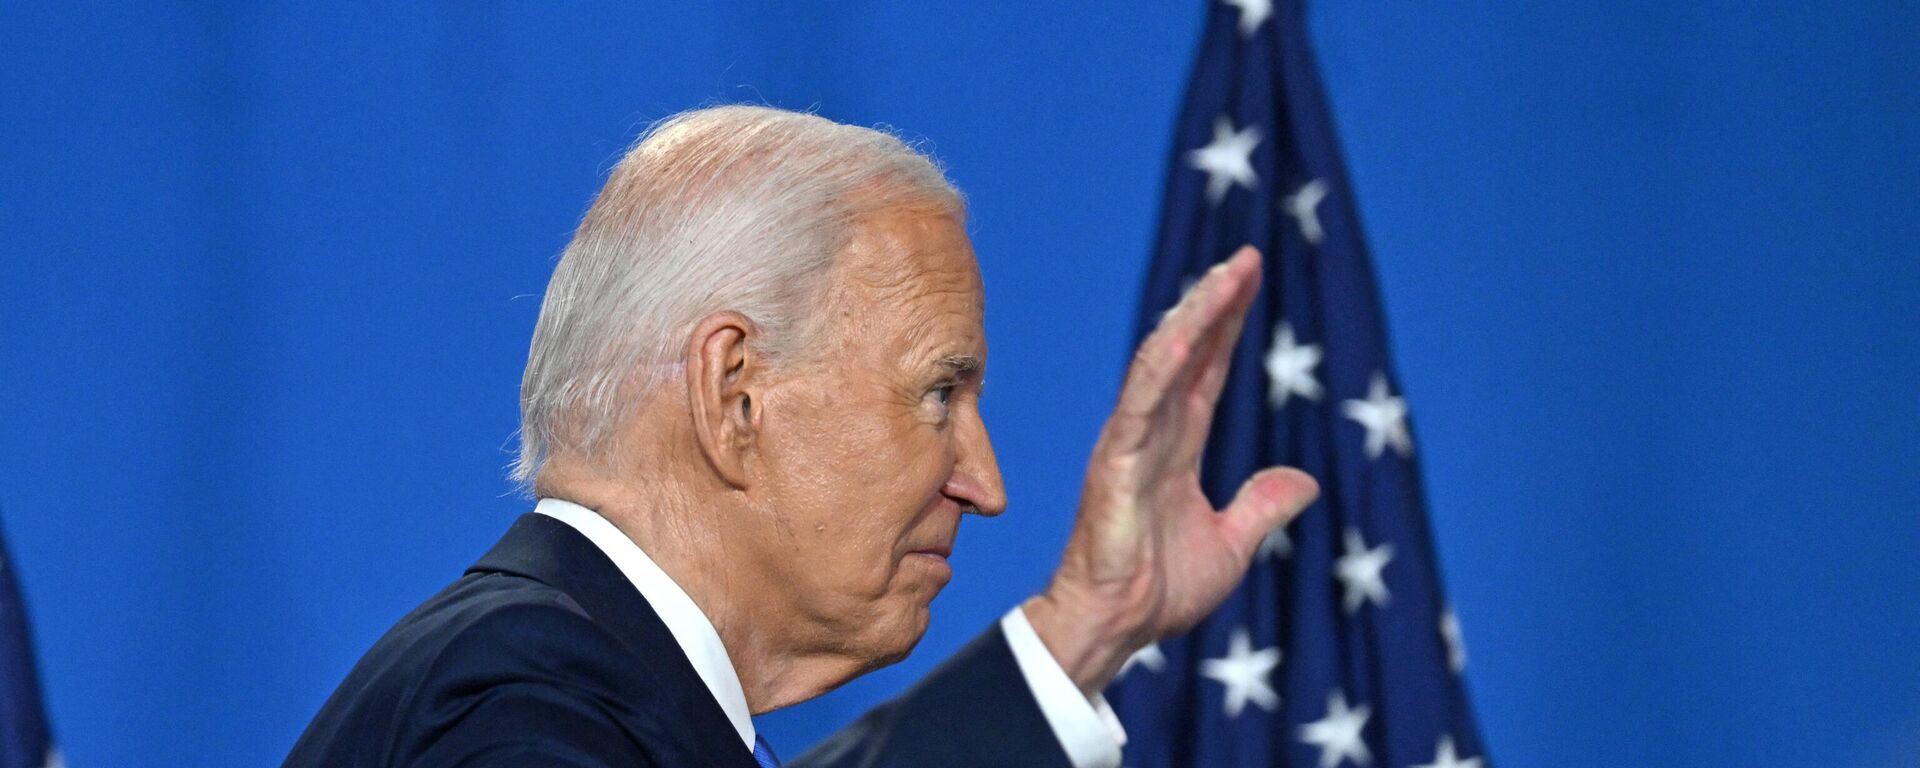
(975, 481)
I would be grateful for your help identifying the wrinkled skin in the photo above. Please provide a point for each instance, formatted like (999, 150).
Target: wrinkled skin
(1149, 556)
(807, 504)
(873, 448)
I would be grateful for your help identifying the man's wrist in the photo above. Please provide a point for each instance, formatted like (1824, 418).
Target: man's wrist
(1089, 647)
(1084, 725)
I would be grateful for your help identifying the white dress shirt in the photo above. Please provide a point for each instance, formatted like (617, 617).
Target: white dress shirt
(1087, 728)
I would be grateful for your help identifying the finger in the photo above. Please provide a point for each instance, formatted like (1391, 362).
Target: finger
(1202, 392)
(1168, 353)
(1224, 335)
(1269, 499)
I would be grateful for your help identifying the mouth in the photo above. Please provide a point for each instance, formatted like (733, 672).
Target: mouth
(942, 551)
(930, 562)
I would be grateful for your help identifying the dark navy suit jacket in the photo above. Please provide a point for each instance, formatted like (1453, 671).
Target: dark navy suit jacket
(544, 654)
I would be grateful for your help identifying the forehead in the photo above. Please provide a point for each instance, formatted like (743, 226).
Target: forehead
(913, 271)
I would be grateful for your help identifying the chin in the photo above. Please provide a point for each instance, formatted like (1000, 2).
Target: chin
(896, 640)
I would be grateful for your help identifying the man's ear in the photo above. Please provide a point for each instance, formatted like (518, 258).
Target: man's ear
(724, 375)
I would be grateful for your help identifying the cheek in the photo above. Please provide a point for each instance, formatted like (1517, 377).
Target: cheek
(877, 449)
(910, 466)
(852, 475)
(882, 478)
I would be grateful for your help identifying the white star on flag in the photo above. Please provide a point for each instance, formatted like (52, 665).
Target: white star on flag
(1384, 416)
(1257, 161)
(1456, 645)
(1290, 368)
(1444, 757)
(1244, 672)
(1338, 734)
(1252, 12)
(1276, 544)
(1149, 657)
(1360, 570)
(1304, 207)
(1229, 159)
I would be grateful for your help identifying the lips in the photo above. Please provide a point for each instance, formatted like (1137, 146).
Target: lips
(940, 550)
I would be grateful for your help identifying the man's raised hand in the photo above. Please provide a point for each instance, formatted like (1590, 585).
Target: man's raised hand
(1149, 556)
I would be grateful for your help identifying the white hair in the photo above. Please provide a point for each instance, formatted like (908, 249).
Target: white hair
(738, 208)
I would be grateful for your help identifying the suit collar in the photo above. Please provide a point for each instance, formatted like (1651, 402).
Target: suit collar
(691, 629)
(551, 552)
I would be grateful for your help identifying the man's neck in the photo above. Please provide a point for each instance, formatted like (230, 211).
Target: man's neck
(689, 544)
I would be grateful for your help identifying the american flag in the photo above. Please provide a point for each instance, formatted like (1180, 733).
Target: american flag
(24, 738)
(1340, 648)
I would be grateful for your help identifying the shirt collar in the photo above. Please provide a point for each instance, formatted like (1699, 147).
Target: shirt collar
(690, 628)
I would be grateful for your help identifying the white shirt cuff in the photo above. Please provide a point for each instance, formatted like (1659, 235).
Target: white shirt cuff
(1087, 728)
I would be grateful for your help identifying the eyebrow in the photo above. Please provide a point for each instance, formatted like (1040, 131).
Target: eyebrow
(962, 365)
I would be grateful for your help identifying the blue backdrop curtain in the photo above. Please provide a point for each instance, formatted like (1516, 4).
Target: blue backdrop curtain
(267, 274)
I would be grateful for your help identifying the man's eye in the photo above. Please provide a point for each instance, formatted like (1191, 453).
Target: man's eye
(944, 393)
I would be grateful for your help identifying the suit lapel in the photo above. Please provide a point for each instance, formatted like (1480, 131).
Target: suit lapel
(553, 553)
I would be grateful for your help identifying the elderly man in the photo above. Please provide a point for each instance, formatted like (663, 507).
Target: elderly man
(751, 416)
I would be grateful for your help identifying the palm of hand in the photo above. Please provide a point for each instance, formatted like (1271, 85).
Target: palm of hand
(1149, 555)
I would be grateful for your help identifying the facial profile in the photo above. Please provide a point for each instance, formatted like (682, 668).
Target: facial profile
(872, 448)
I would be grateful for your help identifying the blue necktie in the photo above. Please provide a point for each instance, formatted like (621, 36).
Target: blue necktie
(763, 753)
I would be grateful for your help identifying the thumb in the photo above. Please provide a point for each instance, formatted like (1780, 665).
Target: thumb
(1269, 499)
